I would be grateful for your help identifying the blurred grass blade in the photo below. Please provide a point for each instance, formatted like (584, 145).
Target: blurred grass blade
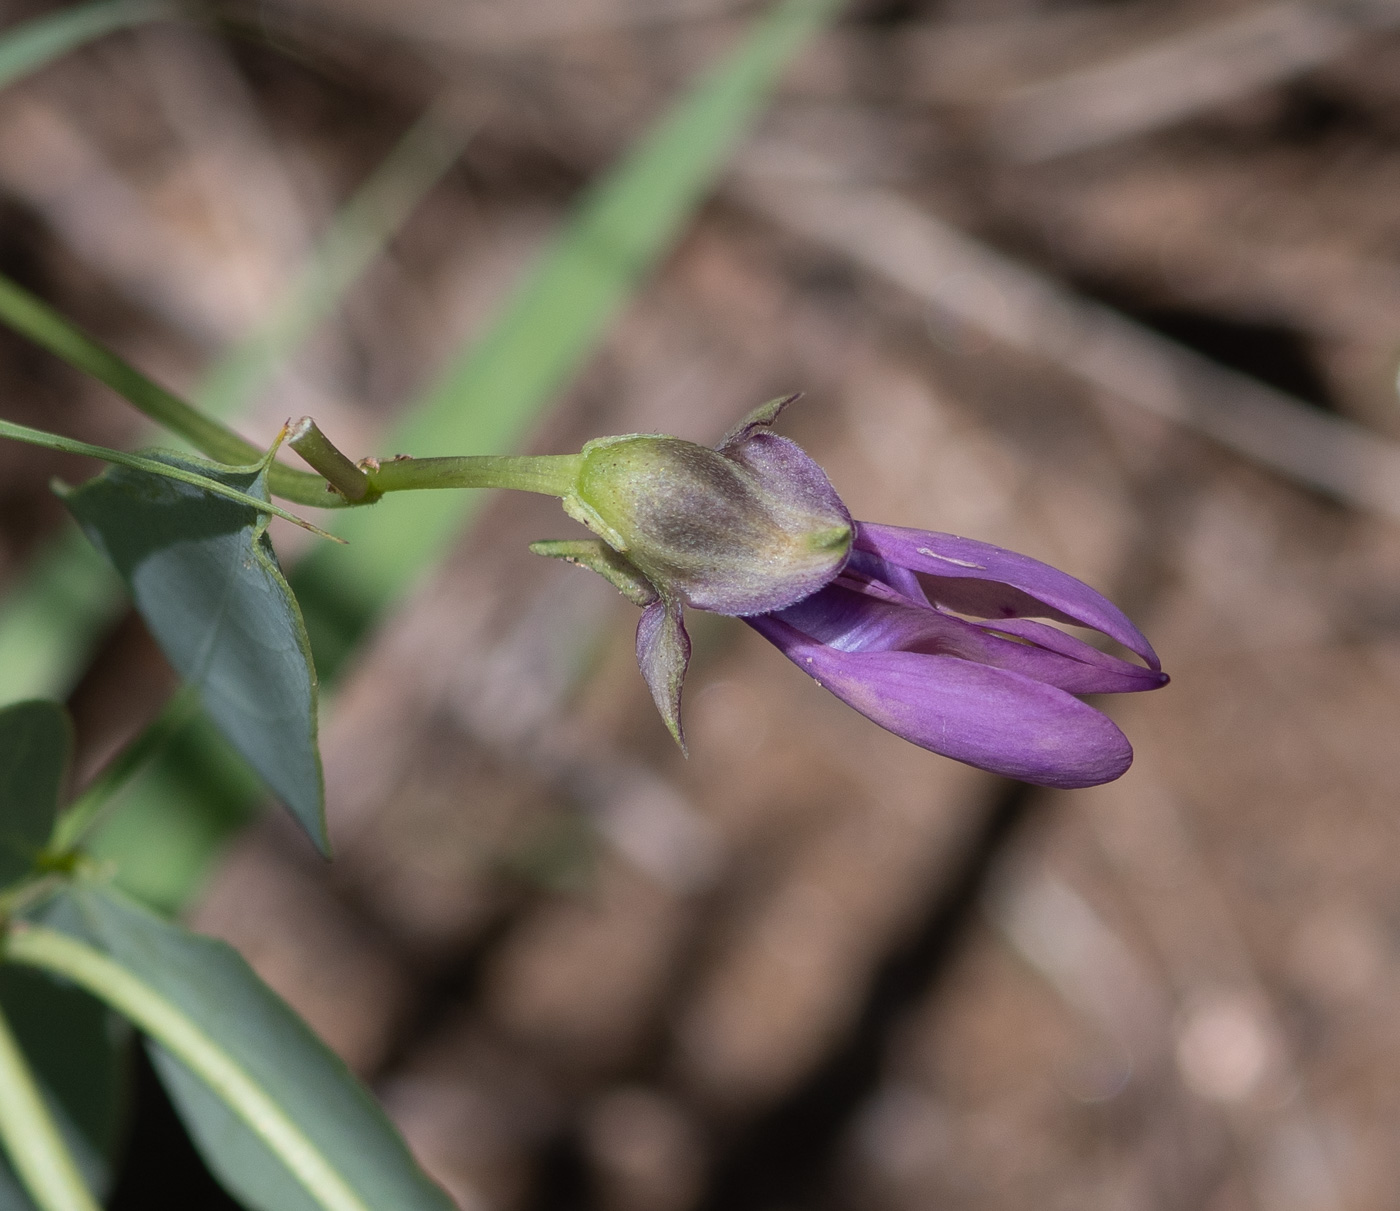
(356, 236)
(54, 617)
(489, 397)
(40, 323)
(28, 47)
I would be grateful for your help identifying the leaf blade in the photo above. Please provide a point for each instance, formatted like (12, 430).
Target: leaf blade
(205, 579)
(210, 1013)
(32, 1139)
(80, 1062)
(36, 743)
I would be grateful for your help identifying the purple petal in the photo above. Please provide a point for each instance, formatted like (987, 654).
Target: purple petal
(663, 652)
(986, 581)
(850, 620)
(869, 566)
(1131, 677)
(992, 718)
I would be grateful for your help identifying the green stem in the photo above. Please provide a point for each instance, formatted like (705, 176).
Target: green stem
(321, 454)
(168, 1025)
(86, 810)
(31, 1137)
(32, 318)
(550, 474)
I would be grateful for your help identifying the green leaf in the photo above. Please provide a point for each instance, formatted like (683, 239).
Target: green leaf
(203, 575)
(51, 619)
(25, 48)
(36, 743)
(35, 1143)
(12, 1195)
(79, 1051)
(276, 1114)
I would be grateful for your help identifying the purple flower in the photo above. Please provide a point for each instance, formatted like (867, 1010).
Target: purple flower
(928, 635)
(995, 690)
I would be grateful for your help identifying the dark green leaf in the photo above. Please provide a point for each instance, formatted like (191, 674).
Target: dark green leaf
(205, 579)
(12, 1195)
(78, 1049)
(35, 745)
(209, 983)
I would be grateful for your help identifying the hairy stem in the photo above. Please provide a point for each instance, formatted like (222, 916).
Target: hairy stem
(551, 474)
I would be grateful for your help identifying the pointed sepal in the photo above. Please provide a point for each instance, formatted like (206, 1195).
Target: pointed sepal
(597, 556)
(663, 653)
(761, 417)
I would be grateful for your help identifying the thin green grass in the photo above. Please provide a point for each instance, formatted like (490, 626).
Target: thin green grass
(34, 44)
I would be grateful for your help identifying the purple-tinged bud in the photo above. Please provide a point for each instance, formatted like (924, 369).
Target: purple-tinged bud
(932, 636)
(750, 527)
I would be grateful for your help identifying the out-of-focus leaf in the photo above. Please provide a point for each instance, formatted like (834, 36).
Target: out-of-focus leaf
(205, 579)
(27, 47)
(176, 818)
(322, 1142)
(51, 619)
(78, 1049)
(12, 1195)
(36, 742)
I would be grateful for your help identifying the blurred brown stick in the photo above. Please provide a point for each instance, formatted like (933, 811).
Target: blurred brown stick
(968, 283)
(1180, 76)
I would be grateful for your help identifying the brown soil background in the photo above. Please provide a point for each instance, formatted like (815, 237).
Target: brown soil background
(812, 967)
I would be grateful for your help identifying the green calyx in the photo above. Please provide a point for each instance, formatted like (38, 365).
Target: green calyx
(713, 528)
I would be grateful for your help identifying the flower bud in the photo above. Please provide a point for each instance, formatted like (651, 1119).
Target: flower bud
(750, 527)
